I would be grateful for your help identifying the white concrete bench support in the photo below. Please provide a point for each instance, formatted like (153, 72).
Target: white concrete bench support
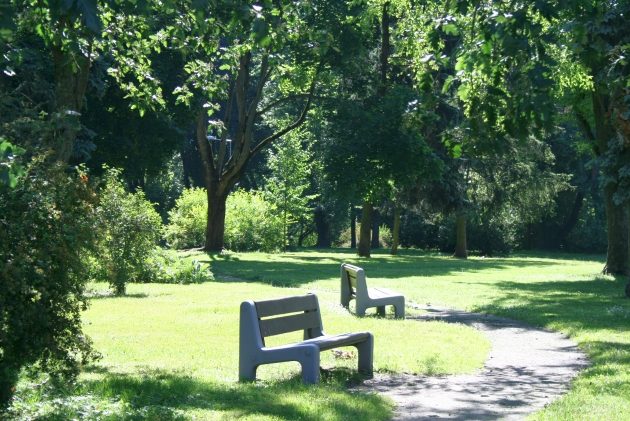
(354, 285)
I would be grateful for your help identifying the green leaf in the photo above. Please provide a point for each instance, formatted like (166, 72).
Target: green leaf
(447, 84)
(456, 151)
(450, 29)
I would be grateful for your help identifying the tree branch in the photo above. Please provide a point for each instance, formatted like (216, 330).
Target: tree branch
(226, 130)
(205, 148)
(263, 143)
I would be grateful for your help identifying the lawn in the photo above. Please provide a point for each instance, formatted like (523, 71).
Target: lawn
(564, 293)
(171, 351)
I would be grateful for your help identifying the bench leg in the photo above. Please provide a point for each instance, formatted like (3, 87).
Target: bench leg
(247, 372)
(365, 350)
(360, 310)
(399, 307)
(310, 368)
(380, 310)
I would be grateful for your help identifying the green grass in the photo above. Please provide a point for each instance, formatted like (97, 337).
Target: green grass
(171, 351)
(565, 293)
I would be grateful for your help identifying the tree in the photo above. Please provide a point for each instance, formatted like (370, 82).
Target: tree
(485, 69)
(289, 181)
(241, 63)
(372, 142)
(598, 41)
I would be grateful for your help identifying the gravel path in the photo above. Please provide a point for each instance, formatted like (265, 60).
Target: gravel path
(526, 369)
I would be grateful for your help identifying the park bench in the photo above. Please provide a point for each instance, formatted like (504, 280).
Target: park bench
(260, 319)
(354, 285)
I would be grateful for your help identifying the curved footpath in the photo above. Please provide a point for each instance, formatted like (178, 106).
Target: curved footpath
(526, 369)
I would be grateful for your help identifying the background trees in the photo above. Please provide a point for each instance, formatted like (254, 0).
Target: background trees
(469, 126)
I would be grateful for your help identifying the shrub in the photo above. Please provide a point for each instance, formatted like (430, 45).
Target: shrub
(129, 231)
(187, 220)
(162, 267)
(251, 223)
(46, 224)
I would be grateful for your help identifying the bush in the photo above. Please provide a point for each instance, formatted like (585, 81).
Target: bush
(251, 223)
(187, 220)
(161, 267)
(46, 224)
(129, 231)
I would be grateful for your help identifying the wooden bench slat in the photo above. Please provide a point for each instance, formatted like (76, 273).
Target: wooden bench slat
(286, 305)
(280, 325)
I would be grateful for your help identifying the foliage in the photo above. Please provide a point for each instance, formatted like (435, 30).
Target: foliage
(10, 169)
(46, 224)
(187, 220)
(589, 234)
(166, 186)
(286, 188)
(167, 268)
(130, 230)
(252, 223)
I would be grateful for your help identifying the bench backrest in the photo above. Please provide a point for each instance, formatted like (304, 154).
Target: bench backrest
(353, 280)
(283, 315)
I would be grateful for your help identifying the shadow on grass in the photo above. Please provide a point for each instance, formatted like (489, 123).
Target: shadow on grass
(576, 305)
(157, 394)
(300, 268)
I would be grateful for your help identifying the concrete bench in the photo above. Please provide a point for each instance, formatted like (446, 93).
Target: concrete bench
(260, 319)
(354, 285)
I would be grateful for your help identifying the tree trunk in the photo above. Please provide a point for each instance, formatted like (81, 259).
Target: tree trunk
(353, 227)
(376, 243)
(617, 225)
(618, 255)
(396, 231)
(461, 248)
(366, 225)
(215, 228)
(323, 228)
(71, 77)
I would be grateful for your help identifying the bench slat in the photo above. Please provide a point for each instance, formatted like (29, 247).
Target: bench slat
(352, 277)
(327, 342)
(280, 325)
(286, 305)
